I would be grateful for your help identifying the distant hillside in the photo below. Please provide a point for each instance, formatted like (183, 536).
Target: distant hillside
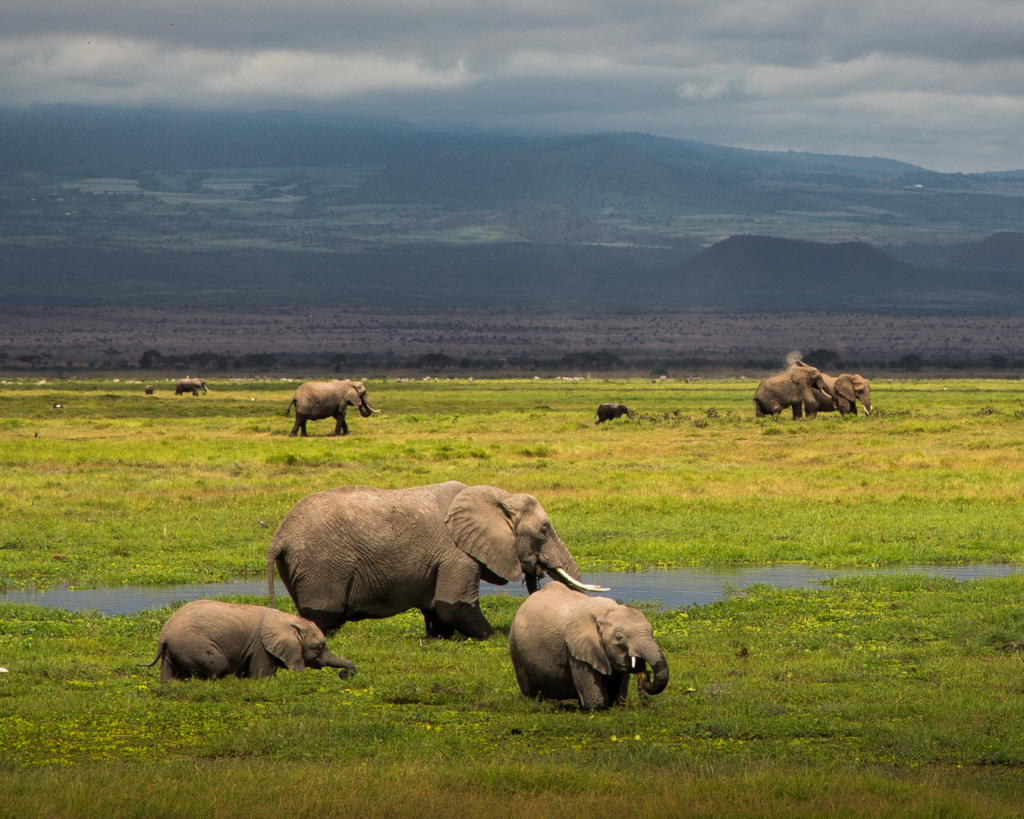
(767, 273)
(998, 252)
(585, 172)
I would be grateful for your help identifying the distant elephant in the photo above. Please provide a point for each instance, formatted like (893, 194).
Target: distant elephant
(192, 385)
(149, 389)
(357, 552)
(209, 639)
(315, 400)
(790, 389)
(847, 390)
(607, 412)
(567, 646)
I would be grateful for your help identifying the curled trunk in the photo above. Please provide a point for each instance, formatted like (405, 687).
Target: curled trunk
(652, 655)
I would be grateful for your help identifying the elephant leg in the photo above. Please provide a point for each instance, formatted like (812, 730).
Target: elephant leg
(297, 426)
(169, 671)
(303, 426)
(619, 687)
(465, 618)
(341, 428)
(798, 411)
(436, 630)
(591, 685)
(261, 664)
(524, 682)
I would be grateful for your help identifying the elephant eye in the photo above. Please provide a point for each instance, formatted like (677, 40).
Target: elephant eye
(618, 638)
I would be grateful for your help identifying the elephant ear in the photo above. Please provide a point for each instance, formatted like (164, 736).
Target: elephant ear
(282, 638)
(481, 519)
(844, 387)
(583, 638)
(349, 395)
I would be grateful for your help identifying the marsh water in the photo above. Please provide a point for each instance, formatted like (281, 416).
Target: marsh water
(670, 587)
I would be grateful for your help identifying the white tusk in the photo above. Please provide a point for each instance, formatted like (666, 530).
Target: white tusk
(632, 662)
(3, 670)
(575, 584)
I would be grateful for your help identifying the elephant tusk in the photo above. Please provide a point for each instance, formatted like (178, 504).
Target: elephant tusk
(632, 662)
(562, 576)
(373, 410)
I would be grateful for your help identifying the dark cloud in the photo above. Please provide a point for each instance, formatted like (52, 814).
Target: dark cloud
(938, 83)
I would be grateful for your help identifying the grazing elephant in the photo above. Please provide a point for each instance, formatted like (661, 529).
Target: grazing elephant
(149, 389)
(847, 390)
(607, 412)
(318, 399)
(790, 389)
(357, 552)
(566, 646)
(209, 639)
(192, 385)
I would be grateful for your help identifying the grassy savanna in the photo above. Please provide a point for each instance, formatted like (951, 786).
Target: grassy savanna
(883, 696)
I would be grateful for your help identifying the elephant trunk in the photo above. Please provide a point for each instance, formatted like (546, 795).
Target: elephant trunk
(365, 409)
(649, 652)
(557, 562)
(328, 659)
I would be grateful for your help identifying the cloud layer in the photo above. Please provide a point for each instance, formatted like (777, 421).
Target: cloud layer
(939, 84)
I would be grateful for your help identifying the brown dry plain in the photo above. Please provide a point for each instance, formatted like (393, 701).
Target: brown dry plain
(84, 334)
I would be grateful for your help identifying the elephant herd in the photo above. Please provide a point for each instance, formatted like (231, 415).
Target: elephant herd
(807, 390)
(357, 552)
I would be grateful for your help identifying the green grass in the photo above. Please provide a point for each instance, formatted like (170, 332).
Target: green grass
(882, 696)
(120, 487)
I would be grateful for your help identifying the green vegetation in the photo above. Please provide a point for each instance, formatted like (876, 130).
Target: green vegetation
(883, 696)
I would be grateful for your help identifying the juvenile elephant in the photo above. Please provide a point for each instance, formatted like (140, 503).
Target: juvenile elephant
(149, 389)
(209, 639)
(607, 412)
(192, 385)
(357, 552)
(847, 390)
(315, 400)
(791, 389)
(566, 646)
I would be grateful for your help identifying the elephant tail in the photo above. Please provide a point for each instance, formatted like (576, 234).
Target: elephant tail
(159, 655)
(288, 411)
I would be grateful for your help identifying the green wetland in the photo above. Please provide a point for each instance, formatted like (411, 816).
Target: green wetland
(874, 695)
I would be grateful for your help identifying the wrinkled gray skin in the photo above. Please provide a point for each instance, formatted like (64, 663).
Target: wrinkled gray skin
(209, 639)
(790, 389)
(315, 400)
(607, 412)
(566, 645)
(192, 385)
(848, 390)
(357, 552)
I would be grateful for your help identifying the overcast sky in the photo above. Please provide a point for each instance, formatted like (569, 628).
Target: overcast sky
(939, 83)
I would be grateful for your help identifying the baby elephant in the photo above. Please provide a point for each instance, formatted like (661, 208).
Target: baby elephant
(606, 412)
(209, 639)
(566, 646)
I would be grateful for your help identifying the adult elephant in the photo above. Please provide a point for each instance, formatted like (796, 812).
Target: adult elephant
(210, 639)
(357, 552)
(791, 389)
(315, 400)
(565, 646)
(192, 385)
(847, 390)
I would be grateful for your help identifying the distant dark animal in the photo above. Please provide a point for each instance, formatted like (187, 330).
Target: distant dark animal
(209, 639)
(192, 385)
(607, 412)
(149, 389)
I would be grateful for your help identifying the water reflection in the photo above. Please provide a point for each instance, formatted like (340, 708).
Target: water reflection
(671, 587)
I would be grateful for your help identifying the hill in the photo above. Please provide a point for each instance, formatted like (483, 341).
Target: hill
(768, 273)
